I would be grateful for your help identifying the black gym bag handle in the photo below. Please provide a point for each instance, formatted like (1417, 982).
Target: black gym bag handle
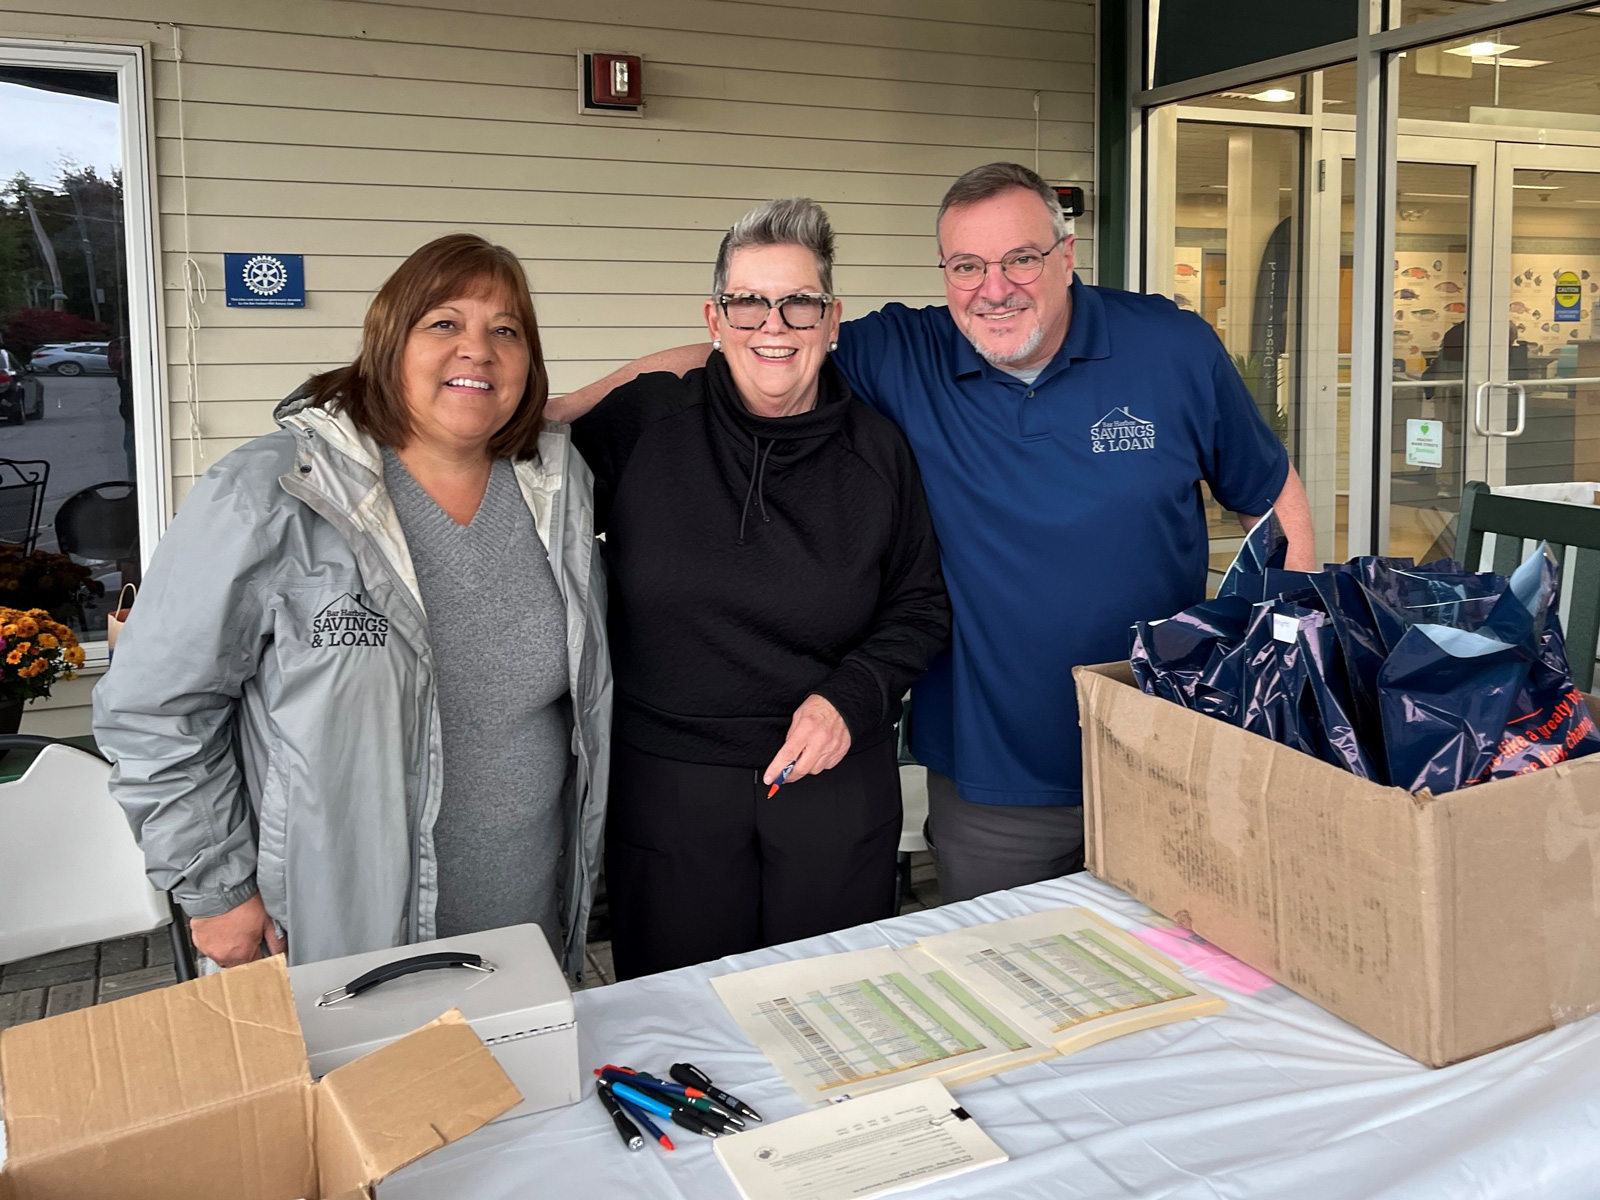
(402, 967)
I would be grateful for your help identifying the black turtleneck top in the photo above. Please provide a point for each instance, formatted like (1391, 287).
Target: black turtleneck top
(754, 561)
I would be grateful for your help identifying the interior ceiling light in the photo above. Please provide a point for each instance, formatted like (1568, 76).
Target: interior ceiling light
(1494, 54)
(1481, 49)
(1270, 96)
(1435, 195)
(1537, 187)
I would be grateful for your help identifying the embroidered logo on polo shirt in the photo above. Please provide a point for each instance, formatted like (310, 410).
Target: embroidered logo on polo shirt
(1119, 429)
(349, 622)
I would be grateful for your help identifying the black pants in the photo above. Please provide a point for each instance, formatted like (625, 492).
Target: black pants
(699, 863)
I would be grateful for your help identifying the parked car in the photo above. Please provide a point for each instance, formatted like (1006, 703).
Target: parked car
(72, 359)
(21, 395)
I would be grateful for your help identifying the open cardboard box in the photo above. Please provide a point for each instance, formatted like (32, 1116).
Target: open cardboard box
(202, 1091)
(1445, 926)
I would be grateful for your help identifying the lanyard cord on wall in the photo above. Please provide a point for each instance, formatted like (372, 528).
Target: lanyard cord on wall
(194, 283)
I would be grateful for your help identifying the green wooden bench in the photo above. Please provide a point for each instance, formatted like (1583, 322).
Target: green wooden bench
(1573, 533)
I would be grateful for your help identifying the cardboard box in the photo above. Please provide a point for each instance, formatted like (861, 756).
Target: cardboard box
(1445, 926)
(522, 1009)
(202, 1091)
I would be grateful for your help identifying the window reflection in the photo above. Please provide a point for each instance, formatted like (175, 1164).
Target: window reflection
(68, 488)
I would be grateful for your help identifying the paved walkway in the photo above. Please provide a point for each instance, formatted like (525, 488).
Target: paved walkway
(71, 979)
(65, 980)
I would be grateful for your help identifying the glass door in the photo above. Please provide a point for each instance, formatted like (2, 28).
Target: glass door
(1537, 418)
(1415, 457)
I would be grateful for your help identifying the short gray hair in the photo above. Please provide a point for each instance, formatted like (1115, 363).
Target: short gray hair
(992, 179)
(797, 221)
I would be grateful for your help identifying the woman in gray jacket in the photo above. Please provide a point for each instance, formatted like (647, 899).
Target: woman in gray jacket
(364, 698)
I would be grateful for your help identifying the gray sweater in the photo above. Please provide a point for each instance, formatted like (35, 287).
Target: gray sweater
(498, 631)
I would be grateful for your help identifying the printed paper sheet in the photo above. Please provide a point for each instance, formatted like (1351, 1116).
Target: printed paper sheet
(853, 1023)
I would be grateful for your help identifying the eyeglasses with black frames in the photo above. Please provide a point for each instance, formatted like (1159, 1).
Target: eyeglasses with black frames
(802, 310)
(1022, 265)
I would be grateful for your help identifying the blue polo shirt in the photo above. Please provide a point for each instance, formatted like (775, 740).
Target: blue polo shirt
(1066, 510)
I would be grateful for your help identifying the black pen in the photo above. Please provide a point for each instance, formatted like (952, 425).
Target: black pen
(631, 1137)
(702, 1106)
(691, 1076)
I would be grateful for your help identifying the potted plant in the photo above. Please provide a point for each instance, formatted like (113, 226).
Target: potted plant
(43, 579)
(1262, 384)
(35, 652)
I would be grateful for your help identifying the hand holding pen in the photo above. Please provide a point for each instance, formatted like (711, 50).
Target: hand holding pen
(818, 739)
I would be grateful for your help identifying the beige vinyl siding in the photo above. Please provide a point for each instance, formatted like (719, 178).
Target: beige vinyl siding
(353, 132)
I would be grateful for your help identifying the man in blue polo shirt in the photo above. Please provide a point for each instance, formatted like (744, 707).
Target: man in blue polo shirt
(1062, 432)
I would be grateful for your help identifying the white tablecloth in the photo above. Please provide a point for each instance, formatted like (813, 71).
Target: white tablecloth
(1274, 1098)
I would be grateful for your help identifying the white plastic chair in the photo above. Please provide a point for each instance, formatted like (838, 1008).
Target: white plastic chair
(913, 814)
(70, 870)
(913, 808)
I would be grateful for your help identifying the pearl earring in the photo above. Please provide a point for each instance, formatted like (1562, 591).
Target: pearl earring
(832, 346)
(716, 343)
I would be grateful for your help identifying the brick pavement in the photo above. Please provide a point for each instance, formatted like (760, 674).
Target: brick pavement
(64, 980)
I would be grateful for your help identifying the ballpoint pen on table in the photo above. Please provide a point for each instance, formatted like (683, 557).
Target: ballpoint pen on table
(669, 1093)
(783, 778)
(660, 1108)
(711, 1105)
(640, 1118)
(625, 1128)
(691, 1076)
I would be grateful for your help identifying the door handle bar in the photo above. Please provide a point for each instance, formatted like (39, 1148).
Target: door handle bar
(1480, 413)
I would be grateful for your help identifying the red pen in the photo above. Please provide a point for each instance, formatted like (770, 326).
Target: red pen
(660, 1085)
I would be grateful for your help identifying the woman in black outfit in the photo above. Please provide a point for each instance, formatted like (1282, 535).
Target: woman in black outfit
(775, 588)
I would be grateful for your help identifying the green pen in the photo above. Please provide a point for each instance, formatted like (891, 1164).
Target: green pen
(671, 1095)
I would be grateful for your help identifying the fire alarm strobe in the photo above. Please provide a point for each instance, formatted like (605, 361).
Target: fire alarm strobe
(1071, 200)
(612, 83)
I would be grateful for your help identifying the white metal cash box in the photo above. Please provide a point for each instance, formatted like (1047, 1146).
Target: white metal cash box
(505, 982)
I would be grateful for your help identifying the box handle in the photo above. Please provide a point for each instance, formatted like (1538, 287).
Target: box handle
(405, 966)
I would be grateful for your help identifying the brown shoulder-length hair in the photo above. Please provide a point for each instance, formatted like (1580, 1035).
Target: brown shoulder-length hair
(370, 389)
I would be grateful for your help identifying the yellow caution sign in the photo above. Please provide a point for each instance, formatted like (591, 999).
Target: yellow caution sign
(1569, 291)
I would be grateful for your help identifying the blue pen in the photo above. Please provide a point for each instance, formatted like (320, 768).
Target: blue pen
(650, 1104)
(640, 1100)
(783, 778)
(650, 1128)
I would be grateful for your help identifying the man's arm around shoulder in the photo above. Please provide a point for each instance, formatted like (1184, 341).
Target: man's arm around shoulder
(679, 360)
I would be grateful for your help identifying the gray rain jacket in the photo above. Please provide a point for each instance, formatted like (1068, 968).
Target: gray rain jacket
(271, 710)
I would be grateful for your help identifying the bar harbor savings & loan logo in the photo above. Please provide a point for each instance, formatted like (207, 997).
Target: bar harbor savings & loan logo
(348, 622)
(1119, 429)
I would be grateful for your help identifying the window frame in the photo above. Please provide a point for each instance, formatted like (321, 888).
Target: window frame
(146, 356)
